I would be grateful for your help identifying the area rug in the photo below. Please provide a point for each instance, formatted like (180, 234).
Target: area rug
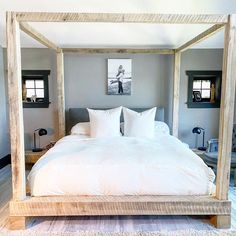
(94, 233)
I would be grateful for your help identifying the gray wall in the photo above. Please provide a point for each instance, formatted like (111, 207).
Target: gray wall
(152, 86)
(40, 59)
(86, 85)
(4, 133)
(198, 59)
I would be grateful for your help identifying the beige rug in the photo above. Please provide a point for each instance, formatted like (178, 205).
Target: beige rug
(93, 233)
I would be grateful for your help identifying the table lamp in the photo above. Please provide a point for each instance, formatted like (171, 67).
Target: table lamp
(40, 132)
(198, 130)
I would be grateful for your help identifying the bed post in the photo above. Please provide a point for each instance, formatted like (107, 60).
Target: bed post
(61, 94)
(175, 112)
(15, 115)
(226, 118)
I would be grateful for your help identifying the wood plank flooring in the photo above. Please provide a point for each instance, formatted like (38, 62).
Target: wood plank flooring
(107, 223)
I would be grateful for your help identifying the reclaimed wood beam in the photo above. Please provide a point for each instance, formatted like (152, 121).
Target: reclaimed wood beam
(60, 94)
(199, 38)
(226, 117)
(120, 205)
(15, 107)
(122, 18)
(25, 27)
(118, 50)
(226, 110)
(175, 111)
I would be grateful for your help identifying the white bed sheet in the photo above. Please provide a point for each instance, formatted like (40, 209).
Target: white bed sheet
(79, 165)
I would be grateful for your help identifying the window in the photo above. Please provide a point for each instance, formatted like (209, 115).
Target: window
(35, 88)
(204, 89)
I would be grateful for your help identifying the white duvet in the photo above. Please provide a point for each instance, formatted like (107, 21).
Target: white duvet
(120, 166)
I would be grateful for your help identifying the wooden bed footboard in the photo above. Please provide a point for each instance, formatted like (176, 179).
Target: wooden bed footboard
(119, 205)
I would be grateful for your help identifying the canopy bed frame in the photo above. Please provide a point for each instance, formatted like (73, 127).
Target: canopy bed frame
(23, 206)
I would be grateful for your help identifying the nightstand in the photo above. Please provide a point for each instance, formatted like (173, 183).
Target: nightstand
(200, 153)
(32, 157)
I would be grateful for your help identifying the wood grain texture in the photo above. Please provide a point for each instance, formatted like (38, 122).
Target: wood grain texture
(175, 114)
(119, 205)
(32, 157)
(226, 110)
(122, 18)
(119, 50)
(199, 38)
(17, 223)
(47, 225)
(15, 107)
(37, 36)
(221, 221)
(60, 94)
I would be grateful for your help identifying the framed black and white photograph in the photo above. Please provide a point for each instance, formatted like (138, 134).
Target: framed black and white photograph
(197, 97)
(119, 76)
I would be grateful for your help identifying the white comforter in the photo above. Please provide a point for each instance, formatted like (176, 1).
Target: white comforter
(120, 166)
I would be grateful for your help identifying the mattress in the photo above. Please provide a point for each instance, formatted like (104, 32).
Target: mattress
(79, 165)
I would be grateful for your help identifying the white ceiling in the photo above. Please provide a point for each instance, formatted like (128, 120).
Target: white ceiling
(118, 35)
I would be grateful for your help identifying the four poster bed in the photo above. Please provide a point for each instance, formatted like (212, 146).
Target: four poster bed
(22, 206)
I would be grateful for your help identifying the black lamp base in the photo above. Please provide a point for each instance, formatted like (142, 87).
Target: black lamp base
(202, 148)
(37, 150)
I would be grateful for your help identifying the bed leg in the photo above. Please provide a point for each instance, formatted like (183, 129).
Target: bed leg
(221, 221)
(17, 222)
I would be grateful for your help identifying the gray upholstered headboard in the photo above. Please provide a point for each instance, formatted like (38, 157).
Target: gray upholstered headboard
(76, 115)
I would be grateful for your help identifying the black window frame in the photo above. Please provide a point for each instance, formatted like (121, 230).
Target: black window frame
(37, 75)
(215, 76)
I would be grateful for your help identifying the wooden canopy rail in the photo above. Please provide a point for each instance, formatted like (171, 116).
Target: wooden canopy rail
(37, 36)
(119, 50)
(122, 18)
(22, 207)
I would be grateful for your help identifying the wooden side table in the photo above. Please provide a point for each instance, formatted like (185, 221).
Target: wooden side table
(32, 157)
(200, 153)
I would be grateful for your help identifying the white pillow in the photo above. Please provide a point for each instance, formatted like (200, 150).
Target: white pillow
(104, 123)
(160, 128)
(139, 124)
(81, 128)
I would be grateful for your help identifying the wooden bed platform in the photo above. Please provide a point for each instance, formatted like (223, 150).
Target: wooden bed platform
(118, 205)
(22, 206)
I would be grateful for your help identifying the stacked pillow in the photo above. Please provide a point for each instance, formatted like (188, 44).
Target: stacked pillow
(106, 123)
(139, 124)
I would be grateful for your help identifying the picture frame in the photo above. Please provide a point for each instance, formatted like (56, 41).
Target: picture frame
(197, 97)
(119, 76)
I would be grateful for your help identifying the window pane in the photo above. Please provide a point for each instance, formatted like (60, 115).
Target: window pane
(206, 93)
(30, 93)
(197, 84)
(39, 83)
(29, 83)
(40, 93)
(206, 84)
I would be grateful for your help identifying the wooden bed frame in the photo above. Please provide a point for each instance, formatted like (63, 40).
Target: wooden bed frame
(22, 206)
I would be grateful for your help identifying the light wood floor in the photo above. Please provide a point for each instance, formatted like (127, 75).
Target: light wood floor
(114, 223)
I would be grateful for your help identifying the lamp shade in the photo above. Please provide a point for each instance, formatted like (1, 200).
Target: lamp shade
(42, 132)
(197, 130)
